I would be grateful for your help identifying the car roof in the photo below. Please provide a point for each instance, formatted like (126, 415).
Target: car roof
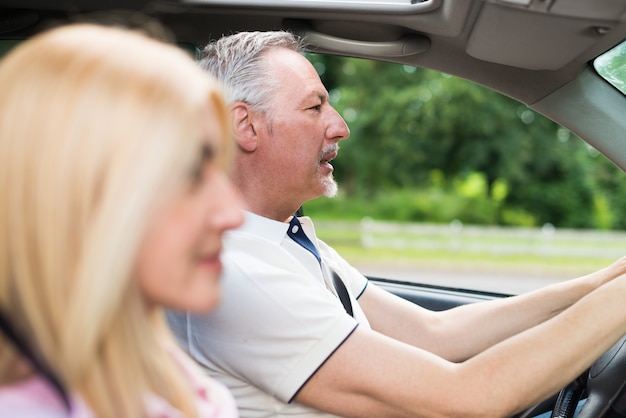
(535, 51)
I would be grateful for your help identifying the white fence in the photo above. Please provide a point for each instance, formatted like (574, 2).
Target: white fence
(458, 238)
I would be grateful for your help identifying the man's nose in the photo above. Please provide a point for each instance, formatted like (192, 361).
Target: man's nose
(337, 128)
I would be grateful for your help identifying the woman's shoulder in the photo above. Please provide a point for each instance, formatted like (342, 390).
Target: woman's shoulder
(213, 398)
(34, 398)
(31, 397)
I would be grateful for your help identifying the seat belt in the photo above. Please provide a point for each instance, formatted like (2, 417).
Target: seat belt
(296, 233)
(342, 292)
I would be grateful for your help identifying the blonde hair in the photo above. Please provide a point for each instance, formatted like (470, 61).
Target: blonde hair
(98, 125)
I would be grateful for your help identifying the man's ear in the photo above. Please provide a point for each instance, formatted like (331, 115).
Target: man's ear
(245, 133)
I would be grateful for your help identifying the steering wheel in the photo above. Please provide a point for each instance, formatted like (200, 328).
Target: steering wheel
(605, 384)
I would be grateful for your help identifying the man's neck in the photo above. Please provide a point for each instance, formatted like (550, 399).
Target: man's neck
(263, 198)
(277, 214)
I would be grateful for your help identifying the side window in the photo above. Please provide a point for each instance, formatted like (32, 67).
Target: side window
(445, 182)
(612, 66)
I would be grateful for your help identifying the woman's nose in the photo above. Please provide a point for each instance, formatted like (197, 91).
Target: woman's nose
(229, 207)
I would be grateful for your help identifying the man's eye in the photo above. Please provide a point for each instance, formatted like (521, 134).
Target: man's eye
(317, 108)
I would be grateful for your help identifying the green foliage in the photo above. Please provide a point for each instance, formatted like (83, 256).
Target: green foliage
(426, 146)
(464, 199)
(612, 66)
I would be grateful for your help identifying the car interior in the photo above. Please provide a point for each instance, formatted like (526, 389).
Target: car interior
(538, 52)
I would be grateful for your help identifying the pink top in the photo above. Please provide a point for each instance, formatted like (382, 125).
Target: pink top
(35, 398)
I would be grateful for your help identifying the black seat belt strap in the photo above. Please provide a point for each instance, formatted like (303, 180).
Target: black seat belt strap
(342, 292)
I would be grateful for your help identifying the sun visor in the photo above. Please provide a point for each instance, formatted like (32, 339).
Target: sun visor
(535, 39)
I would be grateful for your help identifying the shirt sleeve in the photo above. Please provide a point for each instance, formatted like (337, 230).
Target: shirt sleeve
(275, 326)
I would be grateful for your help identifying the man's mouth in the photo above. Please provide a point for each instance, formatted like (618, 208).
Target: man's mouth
(328, 156)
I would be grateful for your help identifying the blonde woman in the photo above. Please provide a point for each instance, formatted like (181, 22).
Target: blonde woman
(113, 204)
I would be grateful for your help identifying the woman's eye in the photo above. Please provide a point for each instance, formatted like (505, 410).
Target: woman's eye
(205, 157)
(196, 175)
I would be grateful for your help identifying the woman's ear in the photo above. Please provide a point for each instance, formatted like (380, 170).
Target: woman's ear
(245, 133)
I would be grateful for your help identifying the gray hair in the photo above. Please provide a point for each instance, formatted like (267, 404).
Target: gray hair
(237, 62)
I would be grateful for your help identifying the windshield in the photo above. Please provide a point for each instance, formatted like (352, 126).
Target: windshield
(612, 66)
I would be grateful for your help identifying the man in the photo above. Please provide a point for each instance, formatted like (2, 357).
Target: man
(283, 341)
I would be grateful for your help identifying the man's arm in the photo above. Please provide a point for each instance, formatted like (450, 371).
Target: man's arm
(372, 375)
(460, 333)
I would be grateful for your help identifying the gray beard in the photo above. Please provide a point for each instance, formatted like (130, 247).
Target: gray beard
(330, 186)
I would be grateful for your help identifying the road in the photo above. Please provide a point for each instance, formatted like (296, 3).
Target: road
(493, 280)
(497, 259)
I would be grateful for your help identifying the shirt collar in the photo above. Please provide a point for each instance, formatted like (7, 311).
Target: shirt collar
(270, 229)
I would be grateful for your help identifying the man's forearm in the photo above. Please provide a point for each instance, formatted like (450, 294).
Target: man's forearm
(481, 325)
(371, 375)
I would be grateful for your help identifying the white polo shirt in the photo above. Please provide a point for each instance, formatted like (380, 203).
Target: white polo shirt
(279, 319)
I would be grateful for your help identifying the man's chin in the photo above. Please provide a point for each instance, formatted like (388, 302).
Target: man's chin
(330, 188)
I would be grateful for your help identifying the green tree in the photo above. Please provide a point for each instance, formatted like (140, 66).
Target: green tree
(408, 123)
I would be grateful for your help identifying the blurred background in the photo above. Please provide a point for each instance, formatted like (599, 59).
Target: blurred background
(446, 182)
